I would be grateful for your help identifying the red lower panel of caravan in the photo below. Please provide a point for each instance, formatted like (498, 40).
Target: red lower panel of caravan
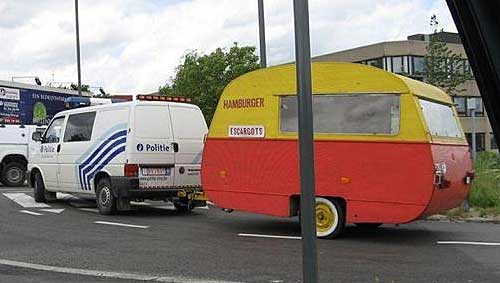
(380, 181)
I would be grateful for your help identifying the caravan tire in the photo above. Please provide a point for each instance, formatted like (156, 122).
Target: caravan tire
(330, 218)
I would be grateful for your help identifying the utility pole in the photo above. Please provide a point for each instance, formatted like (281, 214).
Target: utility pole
(78, 50)
(306, 141)
(262, 35)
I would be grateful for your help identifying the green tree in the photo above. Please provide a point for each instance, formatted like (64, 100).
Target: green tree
(203, 77)
(443, 68)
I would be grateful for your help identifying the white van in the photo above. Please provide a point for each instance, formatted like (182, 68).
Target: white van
(121, 152)
(16, 147)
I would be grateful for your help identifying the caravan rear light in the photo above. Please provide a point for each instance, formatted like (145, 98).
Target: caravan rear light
(131, 170)
(469, 177)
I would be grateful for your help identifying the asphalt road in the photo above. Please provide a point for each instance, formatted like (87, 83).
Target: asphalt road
(205, 245)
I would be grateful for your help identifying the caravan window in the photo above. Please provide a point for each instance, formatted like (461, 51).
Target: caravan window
(440, 119)
(346, 114)
(79, 127)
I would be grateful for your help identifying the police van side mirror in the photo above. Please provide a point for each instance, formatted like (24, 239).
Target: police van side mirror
(36, 136)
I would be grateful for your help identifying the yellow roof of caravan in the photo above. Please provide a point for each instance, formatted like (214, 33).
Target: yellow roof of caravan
(253, 98)
(332, 78)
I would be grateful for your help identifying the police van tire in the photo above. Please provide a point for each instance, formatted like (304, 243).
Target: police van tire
(183, 206)
(106, 201)
(13, 174)
(330, 218)
(39, 188)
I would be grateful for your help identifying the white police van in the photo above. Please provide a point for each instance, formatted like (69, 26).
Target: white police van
(123, 152)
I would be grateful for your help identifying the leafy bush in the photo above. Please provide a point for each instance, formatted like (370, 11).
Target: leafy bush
(486, 188)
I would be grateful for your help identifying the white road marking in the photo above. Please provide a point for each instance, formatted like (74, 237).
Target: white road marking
(467, 243)
(95, 210)
(54, 210)
(25, 200)
(270, 236)
(106, 274)
(30, 212)
(121, 224)
(16, 190)
(166, 207)
(140, 203)
(202, 207)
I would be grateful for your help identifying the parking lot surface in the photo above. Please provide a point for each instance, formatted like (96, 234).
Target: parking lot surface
(69, 241)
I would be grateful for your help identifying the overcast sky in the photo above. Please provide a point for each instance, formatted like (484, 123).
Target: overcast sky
(132, 46)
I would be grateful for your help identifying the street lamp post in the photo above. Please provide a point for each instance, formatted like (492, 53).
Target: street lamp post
(262, 34)
(78, 50)
(306, 140)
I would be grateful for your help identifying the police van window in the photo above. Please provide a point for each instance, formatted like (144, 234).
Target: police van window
(53, 133)
(79, 127)
(440, 119)
(145, 115)
(197, 127)
(346, 114)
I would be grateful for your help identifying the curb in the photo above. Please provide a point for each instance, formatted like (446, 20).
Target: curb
(444, 218)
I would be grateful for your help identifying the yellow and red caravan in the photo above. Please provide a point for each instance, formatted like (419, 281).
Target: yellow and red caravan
(388, 149)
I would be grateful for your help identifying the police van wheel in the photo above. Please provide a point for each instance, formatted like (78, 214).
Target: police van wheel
(330, 218)
(106, 201)
(39, 188)
(13, 174)
(40, 193)
(183, 206)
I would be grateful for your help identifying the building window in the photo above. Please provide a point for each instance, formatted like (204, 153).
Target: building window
(463, 103)
(406, 65)
(479, 141)
(376, 63)
(460, 105)
(397, 65)
(477, 104)
(418, 65)
(493, 141)
(388, 64)
(467, 69)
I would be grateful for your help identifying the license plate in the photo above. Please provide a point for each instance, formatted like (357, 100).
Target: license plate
(155, 171)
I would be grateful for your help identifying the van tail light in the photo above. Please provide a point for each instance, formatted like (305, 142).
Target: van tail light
(469, 177)
(205, 136)
(131, 170)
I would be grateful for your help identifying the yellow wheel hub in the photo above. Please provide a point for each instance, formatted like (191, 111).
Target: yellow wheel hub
(325, 217)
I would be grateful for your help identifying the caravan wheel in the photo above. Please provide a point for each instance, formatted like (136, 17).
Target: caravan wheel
(330, 218)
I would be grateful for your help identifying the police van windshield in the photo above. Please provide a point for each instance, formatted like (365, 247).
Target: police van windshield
(440, 119)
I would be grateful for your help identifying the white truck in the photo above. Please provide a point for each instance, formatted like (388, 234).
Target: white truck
(16, 147)
(122, 152)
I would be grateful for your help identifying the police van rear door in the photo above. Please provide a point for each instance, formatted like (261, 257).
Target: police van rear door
(190, 129)
(152, 146)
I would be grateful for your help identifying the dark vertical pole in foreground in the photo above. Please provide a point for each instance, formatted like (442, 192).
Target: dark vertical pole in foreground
(78, 49)
(262, 35)
(306, 146)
